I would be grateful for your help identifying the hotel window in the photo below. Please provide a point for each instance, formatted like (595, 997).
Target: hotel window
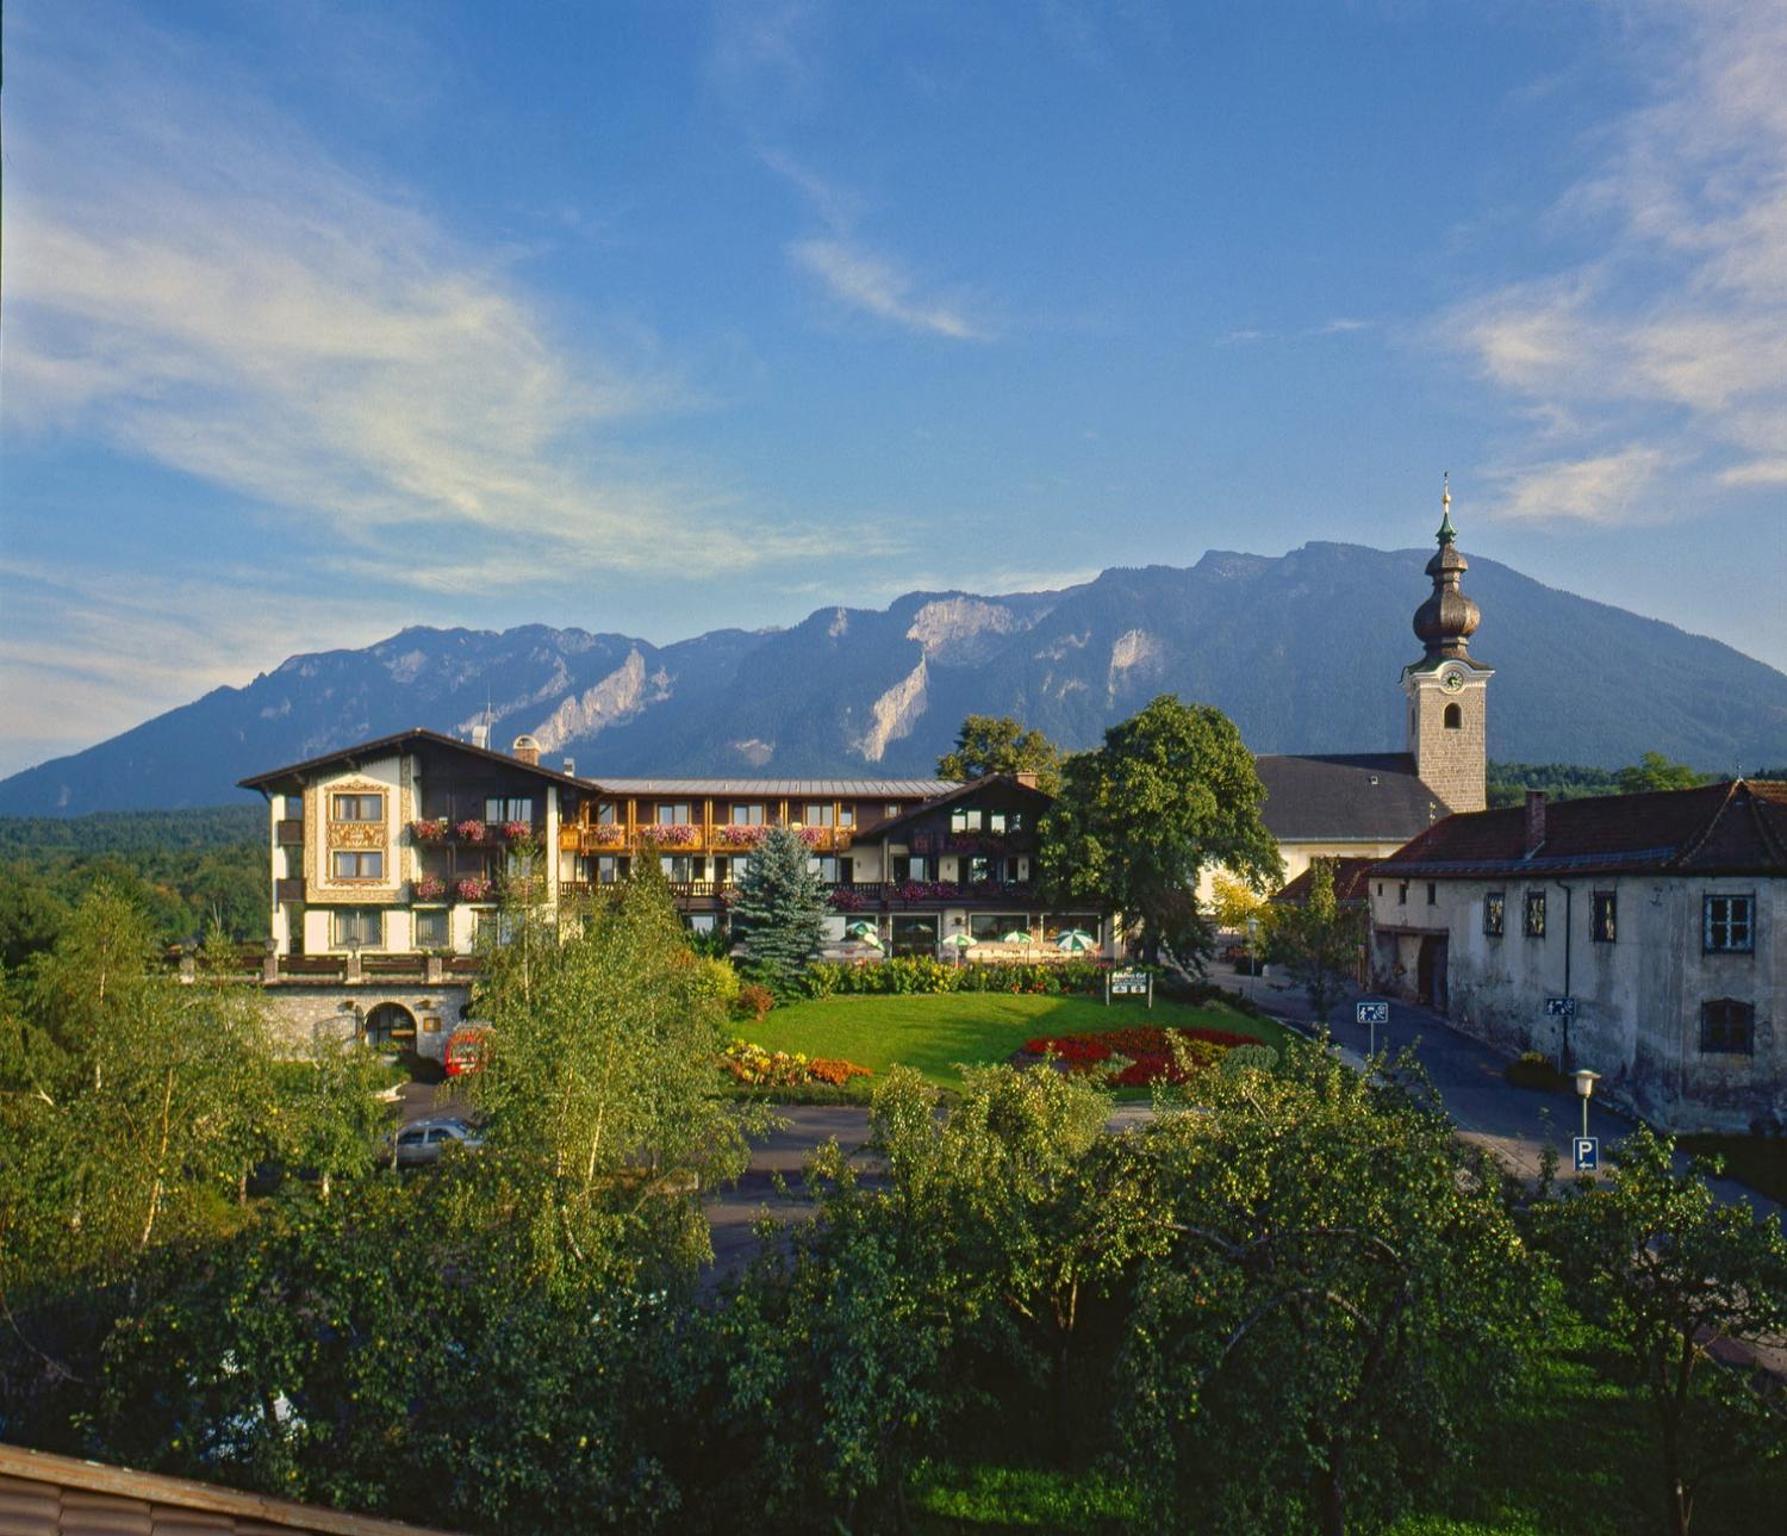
(356, 866)
(1730, 924)
(747, 815)
(1495, 912)
(905, 869)
(604, 813)
(846, 815)
(1402, 894)
(610, 869)
(818, 815)
(889, 811)
(431, 929)
(1535, 914)
(1727, 1027)
(509, 808)
(1604, 921)
(356, 807)
(360, 926)
(996, 821)
(1433, 893)
(979, 869)
(826, 867)
(674, 813)
(964, 819)
(679, 867)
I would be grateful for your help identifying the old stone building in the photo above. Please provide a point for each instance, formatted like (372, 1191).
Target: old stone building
(1662, 918)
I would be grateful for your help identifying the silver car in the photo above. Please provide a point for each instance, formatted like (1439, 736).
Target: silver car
(423, 1141)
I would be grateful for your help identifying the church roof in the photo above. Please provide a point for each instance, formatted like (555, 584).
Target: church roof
(1373, 797)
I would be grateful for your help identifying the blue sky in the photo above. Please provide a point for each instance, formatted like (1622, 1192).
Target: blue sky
(325, 319)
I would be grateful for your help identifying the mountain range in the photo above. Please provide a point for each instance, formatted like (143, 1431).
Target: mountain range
(1302, 650)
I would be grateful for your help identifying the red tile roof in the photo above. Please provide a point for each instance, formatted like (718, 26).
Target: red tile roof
(1350, 882)
(1720, 829)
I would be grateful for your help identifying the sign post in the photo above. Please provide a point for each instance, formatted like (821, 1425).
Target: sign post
(1562, 1008)
(1129, 984)
(1372, 1012)
(1587, 1150)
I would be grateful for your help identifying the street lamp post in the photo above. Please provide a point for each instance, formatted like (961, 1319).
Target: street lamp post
(1585, 1087)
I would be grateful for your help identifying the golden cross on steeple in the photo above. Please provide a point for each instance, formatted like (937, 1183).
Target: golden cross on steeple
(1447, 534)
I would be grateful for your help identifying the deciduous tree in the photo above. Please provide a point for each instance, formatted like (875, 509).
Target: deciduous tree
(1318, 942)
(1671, 1273)
(1172, 792)
(989, 744)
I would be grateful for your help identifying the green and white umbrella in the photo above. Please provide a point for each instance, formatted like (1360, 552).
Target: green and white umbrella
(960, 940)
(1016, 936)
(864, 932)
(1075, 940)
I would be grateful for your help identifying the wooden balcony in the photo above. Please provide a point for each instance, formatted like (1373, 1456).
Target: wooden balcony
(289, 833)
(689, 839)
(289, 888)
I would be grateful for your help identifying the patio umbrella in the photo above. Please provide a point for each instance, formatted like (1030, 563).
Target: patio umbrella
(862, 929)
(960, 940)
(1016, 936)
(1076, 939)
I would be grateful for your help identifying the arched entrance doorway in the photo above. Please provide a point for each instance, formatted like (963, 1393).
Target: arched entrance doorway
(1430, 974)
(389, 1024)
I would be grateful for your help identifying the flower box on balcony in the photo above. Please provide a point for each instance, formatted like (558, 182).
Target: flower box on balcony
(429, 829)
(474, 888)
(740, 836)
(430, 888)
(517, 831)
(672, 836)
(471, 831)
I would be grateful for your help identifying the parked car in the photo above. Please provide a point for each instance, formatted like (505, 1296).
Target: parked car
(423, 1141)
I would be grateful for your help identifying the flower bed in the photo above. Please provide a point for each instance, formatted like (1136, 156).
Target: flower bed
(757, 1068)
(1148, 1051)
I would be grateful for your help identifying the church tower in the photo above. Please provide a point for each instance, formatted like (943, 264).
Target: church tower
(1447, 690)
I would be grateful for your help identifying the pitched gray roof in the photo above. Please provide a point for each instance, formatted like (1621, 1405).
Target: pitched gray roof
(845, 789)
(1371, 798)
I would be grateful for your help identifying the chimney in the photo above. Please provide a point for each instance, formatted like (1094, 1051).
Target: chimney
(1028, 780)
(570, 768)
(1535, 822)
(524, 749)
(481, 735)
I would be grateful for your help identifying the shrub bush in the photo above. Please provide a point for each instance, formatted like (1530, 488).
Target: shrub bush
(1534, 1069)
(910, 975)
(755, 1001)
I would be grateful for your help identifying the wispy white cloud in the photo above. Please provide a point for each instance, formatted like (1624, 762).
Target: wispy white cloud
(1606, 488)
(1664, 357)
(858, 276)
(1341, 325)
(861, 279)
(214, 292)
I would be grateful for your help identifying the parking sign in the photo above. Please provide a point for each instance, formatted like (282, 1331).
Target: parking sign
(1588, 1154)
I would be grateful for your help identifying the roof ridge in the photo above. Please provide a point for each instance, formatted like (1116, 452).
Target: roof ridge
(1697, 841)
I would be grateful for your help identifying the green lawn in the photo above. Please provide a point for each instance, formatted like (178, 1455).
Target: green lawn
(934, 1032)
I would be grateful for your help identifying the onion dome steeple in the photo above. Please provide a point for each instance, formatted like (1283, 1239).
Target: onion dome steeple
(1448, 619)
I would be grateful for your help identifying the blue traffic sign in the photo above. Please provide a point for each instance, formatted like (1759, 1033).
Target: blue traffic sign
(1588, 1154)
(1371, 1013)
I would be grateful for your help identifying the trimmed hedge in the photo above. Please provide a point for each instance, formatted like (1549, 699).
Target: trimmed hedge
(907, 975)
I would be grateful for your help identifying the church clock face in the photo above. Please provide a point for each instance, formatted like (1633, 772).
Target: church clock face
(1452, 682)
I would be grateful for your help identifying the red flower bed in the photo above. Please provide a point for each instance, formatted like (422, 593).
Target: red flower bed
(1148, 1049)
